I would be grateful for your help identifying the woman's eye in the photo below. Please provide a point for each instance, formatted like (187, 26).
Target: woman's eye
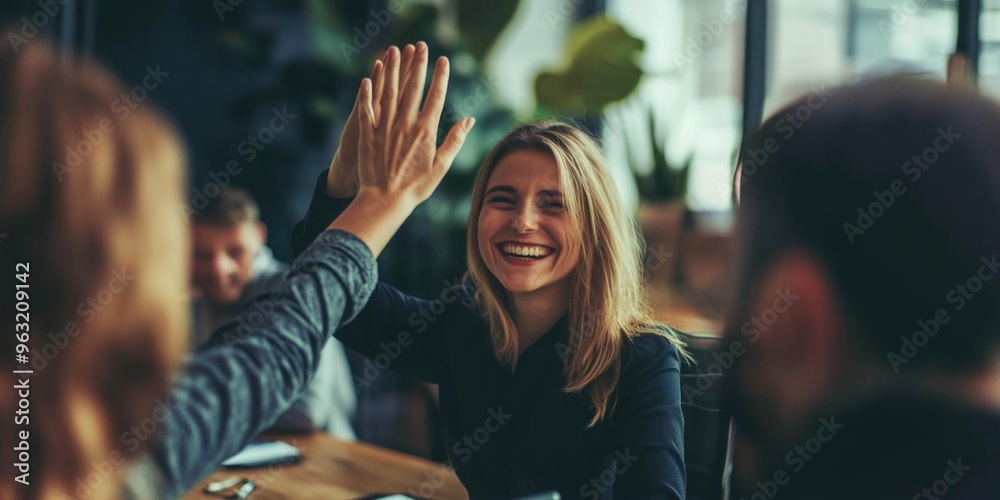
(502, 200)
(552, 204)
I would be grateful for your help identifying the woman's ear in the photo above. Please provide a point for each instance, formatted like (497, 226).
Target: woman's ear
(793, 367)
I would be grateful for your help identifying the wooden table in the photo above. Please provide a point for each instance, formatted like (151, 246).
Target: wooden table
(332, 469)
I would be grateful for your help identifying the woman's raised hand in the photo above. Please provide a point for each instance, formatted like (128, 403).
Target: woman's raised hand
(397, 163)
(342, 180)
(398, 156)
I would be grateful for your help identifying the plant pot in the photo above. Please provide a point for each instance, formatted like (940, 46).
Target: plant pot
(662, 225)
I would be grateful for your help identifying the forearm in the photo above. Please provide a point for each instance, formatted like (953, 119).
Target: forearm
(229, 393)
(315, 409)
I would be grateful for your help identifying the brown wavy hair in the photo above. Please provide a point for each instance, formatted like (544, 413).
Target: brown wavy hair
(91, 202)
(608, 305)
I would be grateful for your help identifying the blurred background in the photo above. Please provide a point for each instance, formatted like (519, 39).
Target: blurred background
(670, 88)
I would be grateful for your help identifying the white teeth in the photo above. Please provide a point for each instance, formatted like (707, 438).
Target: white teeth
(524, 251)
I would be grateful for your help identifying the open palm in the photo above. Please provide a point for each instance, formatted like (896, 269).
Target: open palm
(342, 181)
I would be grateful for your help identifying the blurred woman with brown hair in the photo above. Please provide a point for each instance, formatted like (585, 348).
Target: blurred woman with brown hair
(91, 207)
(89, 204)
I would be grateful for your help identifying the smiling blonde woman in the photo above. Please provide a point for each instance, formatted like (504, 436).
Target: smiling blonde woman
(553, 375)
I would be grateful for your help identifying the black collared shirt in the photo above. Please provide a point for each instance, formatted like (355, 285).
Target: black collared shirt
(512, 433)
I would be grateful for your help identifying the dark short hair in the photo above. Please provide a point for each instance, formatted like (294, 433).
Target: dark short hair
(231, 207)
(895, 258)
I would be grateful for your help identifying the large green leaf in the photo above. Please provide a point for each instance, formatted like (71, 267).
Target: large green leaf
(601, 67)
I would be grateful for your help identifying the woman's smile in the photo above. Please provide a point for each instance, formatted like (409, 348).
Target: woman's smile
(524, 254)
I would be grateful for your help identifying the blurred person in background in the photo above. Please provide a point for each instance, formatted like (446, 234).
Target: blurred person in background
(866, 332)
(81, 199)
(231, 267)
(553, 375)
(118, 207)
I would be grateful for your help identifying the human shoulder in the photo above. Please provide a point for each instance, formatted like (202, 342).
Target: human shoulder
(462, 293)
(650, 373)
(654, 347)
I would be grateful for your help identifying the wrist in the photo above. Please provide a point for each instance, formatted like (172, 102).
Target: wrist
(391, 202)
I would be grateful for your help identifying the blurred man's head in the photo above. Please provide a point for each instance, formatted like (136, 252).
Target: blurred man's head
(226, 237)
(870, 246)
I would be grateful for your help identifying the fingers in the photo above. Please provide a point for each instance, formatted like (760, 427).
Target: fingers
(437, 93)
(413, 92)
(390, 90)
(366, 113)
(378, 83)
(405, 63)
(366, 129)
(452, 144)
(376, 77)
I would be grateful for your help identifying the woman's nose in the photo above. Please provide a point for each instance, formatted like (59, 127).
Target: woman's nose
(525, 220)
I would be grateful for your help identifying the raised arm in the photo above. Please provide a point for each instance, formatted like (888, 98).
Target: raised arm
(256, 368)
(236, 387)
(394, 325)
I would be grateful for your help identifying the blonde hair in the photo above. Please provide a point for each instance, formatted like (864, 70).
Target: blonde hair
(86, 199)
(607, 304)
